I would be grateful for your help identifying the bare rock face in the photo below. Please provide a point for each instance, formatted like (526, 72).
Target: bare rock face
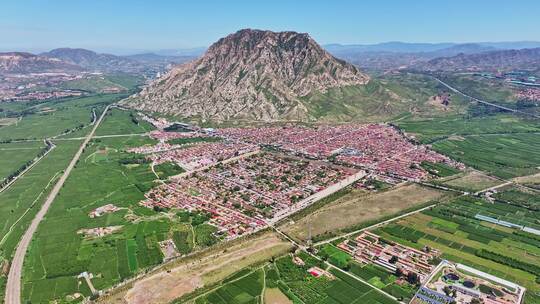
(251, 74)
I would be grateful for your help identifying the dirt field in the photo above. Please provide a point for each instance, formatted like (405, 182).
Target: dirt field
(275, 296)
(209, 268)
(529, 179)
(358, 206)
(474, 181)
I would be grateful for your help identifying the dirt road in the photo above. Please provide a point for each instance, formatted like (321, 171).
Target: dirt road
(13, 286)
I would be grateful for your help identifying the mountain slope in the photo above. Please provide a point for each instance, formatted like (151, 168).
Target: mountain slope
(22, 63)
(251, 74)
(93, 61)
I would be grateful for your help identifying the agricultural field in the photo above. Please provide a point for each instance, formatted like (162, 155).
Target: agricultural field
(333, 286)
(167, 169)
(432, 129)
(193, 140)
(14, 155)
(371, 273)
(526, 198)
(359, 208)
(456, 231)
(505, 156)
(53, 118)
(440, 170)
(20, 202)
(194, 276)
(112, 246)
(119, 122)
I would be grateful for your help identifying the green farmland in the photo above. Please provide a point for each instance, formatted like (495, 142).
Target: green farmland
(452, 228)
(52, 118)
(60, 251)
(291, 281)
(504, 156)
(119, 122)
(15, 155)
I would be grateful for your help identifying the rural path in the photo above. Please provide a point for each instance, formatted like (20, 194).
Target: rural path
(483, 101)
(13, 286)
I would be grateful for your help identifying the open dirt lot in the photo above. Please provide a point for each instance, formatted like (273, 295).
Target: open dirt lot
(208, 268)
(275, 296)
(358, 206)
(474, 181)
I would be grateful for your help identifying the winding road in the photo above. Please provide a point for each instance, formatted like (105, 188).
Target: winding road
(13, 287)
(451, 88)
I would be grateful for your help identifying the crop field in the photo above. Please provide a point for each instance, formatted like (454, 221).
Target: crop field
(300, 286)
(429, 130)
(373, 274)
(359, 208)
(167, 169)
(202, 272)
(60, 250)
(453, 229)
(20, 202)
(505, 156)
(193, 140)
(246, 289)
(440, 170)
(528, 198)
(55, 117)
(14, 155)
(122, 122)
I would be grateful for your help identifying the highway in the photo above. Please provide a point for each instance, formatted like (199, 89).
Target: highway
(13, 286)
(483, 101)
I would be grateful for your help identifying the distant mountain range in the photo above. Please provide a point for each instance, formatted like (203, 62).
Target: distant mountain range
(392, 55)
(500, 60)
(251, 74)
(26, 63)
(76, 60)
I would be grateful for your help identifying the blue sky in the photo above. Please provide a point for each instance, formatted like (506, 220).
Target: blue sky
(127, 26)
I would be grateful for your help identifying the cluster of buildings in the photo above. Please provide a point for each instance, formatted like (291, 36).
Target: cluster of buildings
(377, 147)
(245, 189)
(109, 208)
(456, 283)
(245, 194)
(529, 94)
(368, 248)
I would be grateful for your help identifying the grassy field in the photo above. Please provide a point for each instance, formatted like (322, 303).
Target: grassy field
(383, 98)
(122, 122)
(471, 181)
(359, 207)
(14, 155)
(47, 119)
(452, 228)
(505, 156)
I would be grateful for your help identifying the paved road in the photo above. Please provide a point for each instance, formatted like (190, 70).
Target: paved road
(483, 101)
(13, 287)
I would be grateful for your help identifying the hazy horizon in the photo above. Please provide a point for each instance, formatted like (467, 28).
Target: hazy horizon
(123, 27)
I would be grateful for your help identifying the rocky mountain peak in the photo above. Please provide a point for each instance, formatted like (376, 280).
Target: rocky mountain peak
(251, 74)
